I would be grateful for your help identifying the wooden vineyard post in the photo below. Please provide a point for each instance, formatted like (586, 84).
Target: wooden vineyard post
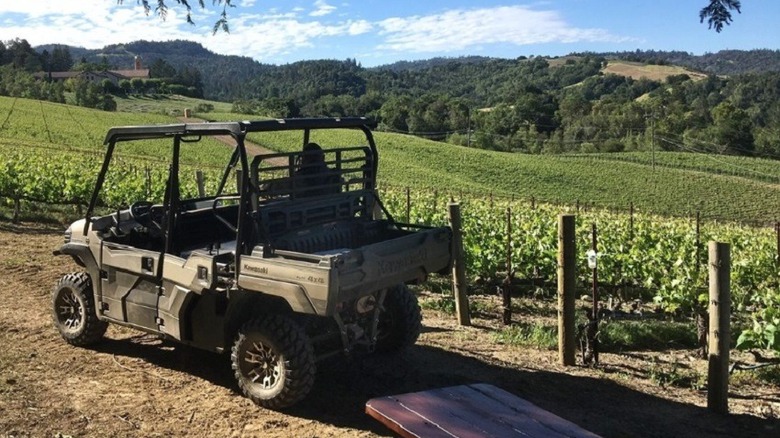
(719, 332)
(201, 183)
(17, 210)
(148, 181)
(567, 277)
(777, 233)
(698, 240)
(593, 327)
(506, 286)
(458, 266)
(408, 206)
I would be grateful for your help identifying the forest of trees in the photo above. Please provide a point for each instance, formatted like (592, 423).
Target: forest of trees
(531, 105)
(527, 105)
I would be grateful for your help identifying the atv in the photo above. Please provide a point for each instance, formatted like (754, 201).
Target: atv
(281, 268)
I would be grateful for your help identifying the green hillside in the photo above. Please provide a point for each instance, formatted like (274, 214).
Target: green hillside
(679, 185)
(602, 180)
(44, 125)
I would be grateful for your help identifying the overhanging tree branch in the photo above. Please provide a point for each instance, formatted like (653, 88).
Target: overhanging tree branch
(718, 13)
(161, 10)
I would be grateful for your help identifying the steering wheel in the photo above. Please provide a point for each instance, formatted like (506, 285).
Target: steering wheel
(140, 210)
(148, 215)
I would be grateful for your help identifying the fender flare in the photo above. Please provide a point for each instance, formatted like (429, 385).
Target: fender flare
(83, 257)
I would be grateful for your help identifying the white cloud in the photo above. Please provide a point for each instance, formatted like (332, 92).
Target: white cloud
(322, 8)
(359, 27)
(89, 23)
(462, 28)
(272, 33)
(267, 39)
(37, 9)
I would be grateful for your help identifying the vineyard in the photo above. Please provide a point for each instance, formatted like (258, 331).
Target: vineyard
(51, 154)
(681, 184)
(640, 255)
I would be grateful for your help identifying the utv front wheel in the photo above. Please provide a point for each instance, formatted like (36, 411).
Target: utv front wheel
(400, 321)
(73, 310)
(273, 361)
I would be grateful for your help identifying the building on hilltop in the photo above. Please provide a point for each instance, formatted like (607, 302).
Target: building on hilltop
(97, 76)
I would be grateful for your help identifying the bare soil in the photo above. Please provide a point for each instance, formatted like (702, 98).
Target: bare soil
(134, 384)
(637, 70)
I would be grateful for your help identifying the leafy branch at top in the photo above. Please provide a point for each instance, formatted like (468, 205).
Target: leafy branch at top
(161, 9)
(719, 13)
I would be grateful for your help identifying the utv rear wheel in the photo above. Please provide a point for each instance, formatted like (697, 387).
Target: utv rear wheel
(273, 361)
(73, 310)
(400, 321)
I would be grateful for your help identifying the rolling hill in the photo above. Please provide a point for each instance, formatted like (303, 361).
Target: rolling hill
(228, 78)
(730, 188)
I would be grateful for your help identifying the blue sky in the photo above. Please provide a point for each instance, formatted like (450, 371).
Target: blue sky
(382, 32)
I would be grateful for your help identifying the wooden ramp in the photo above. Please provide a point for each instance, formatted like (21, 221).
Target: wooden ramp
(465, 411)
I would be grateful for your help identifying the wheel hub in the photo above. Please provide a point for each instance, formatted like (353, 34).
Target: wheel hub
(265, 366)
(69, 311)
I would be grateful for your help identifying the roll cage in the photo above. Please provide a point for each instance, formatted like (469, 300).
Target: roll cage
(356, 166)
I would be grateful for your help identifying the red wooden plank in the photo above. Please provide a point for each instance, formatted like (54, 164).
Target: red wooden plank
(504, 420)
(478, 411)
(554, 422)
(457, 420)
(465, 412)
(401, 420)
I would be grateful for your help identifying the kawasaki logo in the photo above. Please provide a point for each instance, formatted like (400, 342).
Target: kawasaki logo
(256, 269)
(396, 265)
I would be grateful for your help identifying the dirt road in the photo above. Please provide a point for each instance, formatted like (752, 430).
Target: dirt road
(136, 385)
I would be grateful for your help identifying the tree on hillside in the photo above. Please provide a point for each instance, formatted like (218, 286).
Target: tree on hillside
(21, 55)
(160, 68)
(61, 60)
(732, 129)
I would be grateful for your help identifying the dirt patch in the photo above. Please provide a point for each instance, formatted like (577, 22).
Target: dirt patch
(637, 70)
(134, 384)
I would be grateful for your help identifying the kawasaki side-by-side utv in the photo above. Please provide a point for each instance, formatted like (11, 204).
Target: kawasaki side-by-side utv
(278, 267)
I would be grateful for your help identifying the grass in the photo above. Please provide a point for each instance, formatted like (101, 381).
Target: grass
(445, 303)
(441, 304)
(613, 335)
(770, 374)
(646, 335)
(676, 375)
(535, 334)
